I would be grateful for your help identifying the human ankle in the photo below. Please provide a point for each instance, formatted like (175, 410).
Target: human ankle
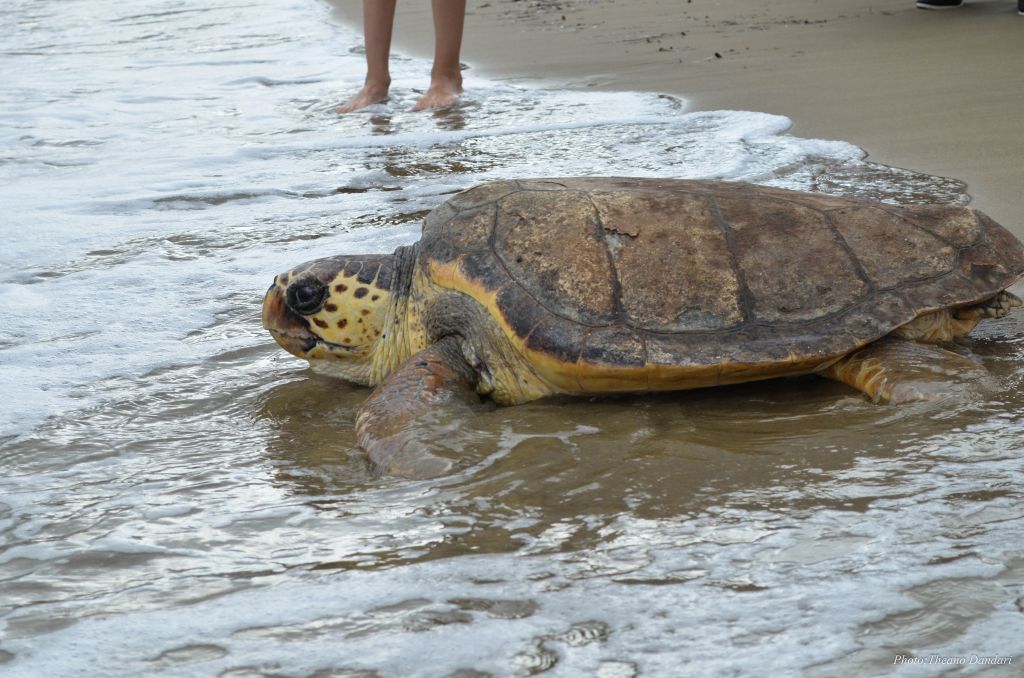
(377, 83)
(446, 79)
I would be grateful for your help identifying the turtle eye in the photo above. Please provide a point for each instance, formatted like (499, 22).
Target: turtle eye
(306, 296)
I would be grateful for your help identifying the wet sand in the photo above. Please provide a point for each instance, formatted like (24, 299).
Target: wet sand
(937, 92)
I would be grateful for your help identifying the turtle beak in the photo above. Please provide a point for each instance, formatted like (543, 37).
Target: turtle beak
(288, 328)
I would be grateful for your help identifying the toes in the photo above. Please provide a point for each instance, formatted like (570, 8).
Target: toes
(436, 100)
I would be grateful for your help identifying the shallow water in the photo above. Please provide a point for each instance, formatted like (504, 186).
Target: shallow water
(180, 496)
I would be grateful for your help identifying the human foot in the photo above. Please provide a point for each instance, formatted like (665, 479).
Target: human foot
(371, 93)
(443, 91)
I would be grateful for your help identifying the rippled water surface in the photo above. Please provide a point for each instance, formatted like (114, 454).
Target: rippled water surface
(179, 496)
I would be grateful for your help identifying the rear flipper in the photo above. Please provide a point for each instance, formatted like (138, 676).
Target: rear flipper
(996, 307)
(948, 323)
(894, 370)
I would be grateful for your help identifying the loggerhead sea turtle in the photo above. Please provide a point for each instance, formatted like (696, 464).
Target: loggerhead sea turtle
(523, 289)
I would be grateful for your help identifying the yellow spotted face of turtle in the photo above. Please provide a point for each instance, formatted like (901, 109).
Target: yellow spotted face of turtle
(331, 312)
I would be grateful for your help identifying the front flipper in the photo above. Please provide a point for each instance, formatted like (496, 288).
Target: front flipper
(404, 421)
(898, 371)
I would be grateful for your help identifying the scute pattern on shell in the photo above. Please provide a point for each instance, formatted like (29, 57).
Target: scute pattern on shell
(703, 274)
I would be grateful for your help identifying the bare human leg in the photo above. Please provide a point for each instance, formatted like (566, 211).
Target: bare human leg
(446, 74)
(378, 20)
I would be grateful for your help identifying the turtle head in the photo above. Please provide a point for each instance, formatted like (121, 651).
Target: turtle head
(332, 312)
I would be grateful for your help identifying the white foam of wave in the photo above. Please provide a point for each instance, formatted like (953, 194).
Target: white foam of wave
(733, 585)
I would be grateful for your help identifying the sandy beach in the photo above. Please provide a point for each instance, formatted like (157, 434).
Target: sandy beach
(937, 92)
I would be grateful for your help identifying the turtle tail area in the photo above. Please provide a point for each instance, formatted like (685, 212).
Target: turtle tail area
(948, 324)
(896, 371)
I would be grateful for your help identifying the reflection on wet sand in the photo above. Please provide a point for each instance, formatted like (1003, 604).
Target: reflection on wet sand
(584, 462)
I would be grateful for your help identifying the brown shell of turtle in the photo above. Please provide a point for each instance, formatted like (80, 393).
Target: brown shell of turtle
(522, 289)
